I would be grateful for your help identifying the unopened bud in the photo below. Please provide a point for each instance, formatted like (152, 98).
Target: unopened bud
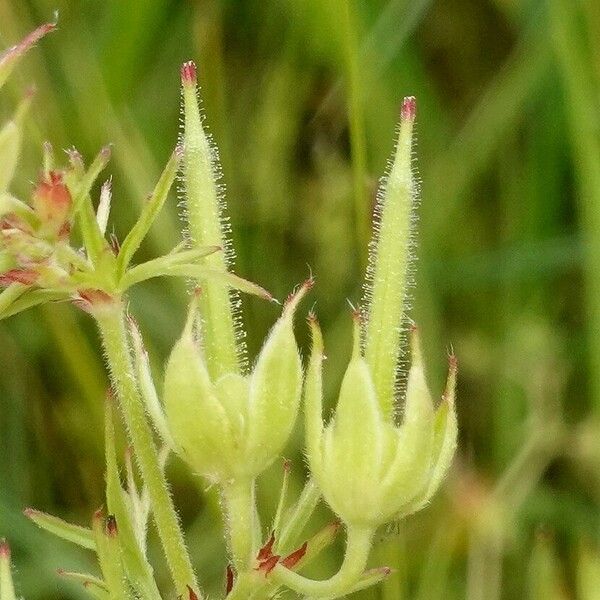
(52, 203)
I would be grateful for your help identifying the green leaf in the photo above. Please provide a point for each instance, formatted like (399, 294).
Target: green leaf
(89, 581)
(149, 213)
(9, 296)
(93, 240)
(157, 266)
(82, 536)
(223, 278)
(27, 298)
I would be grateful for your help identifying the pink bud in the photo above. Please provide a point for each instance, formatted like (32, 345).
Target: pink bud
(4, 549)
(52, 202)
(188, 73)
(409, 108)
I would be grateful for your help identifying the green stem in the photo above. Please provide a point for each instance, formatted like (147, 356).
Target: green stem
(358, 546)
(240, 509)
(113, 329)
(297, 518)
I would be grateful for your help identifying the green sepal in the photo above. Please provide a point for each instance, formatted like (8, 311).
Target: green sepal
(10, 204)
(313, 400)
(146, 386)
(148, 213)
(353, 444)
(445, 434)
(197, 421)
(275, 389)
(10, 144)
(411, 467)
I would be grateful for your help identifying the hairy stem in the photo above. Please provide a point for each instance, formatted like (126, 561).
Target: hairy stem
(358, 546)
(240, 508)
(113, 330)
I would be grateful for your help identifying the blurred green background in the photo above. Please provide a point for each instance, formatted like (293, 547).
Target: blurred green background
(302, 97)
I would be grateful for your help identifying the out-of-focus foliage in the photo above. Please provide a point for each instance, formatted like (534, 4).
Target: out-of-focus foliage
(301, 97)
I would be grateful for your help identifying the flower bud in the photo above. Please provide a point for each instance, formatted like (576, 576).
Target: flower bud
(52, 204)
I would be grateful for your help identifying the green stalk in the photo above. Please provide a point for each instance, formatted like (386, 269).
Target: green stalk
(240, 507)
(113, 330)
(358, 547)
(296, 518)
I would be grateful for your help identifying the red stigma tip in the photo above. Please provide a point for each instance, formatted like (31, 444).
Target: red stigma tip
(4, 549)
(188, 72)
(409, 108)
(452, 362)
(309, 283)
